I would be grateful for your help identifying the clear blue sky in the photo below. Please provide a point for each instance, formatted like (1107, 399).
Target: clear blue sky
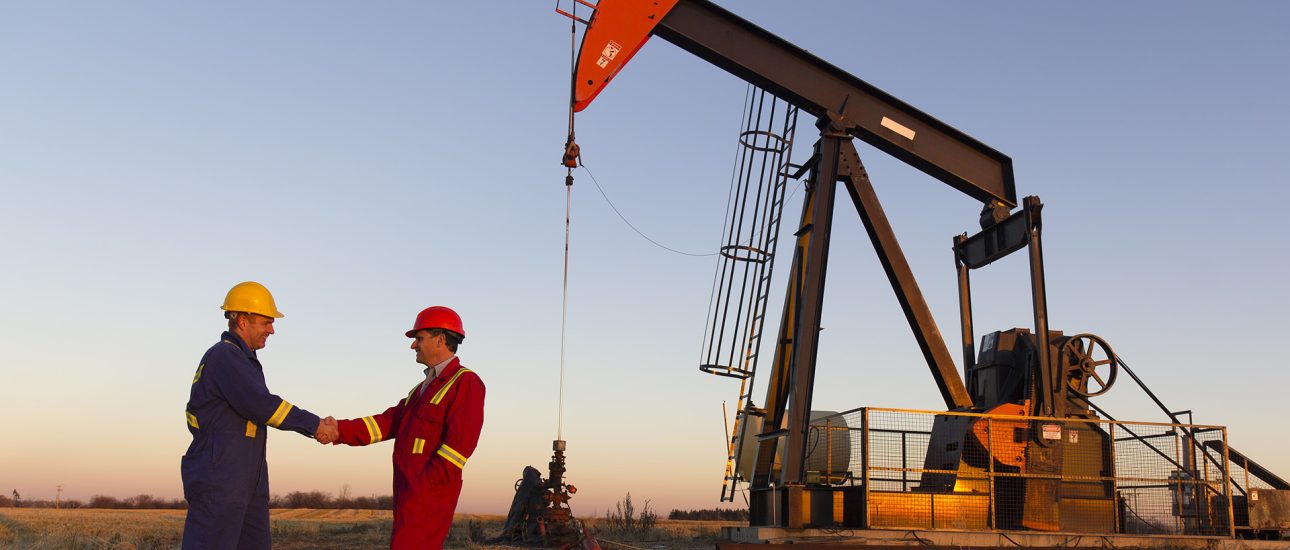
(367, 160)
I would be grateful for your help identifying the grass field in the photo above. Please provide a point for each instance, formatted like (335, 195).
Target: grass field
(32, 528)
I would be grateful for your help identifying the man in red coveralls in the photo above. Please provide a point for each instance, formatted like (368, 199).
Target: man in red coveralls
(435, 429)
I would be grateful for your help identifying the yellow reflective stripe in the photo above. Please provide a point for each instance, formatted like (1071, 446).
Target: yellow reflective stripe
(373, 430)
(192, 420)
(418, 446)
(414, 390)
(198, 375)
(438, 396)
(250, 428)
(281, 414)
(452, 455)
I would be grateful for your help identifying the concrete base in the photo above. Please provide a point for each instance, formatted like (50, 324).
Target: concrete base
(762, 538)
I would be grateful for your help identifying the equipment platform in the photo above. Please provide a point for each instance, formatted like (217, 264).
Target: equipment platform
(765, 538)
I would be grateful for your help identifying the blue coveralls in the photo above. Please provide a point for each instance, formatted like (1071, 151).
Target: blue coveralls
(226, 476)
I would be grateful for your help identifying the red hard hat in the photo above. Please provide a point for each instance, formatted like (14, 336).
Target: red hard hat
(438, 317)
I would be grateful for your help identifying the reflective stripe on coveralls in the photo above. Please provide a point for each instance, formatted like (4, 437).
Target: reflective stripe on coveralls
(374, 434)
(280, 414)
(438, 396)
(452, 455)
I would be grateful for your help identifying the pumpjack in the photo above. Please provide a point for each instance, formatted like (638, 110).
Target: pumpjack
(1020, 425)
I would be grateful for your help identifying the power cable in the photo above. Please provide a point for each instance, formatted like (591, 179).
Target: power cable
(629, 224)
(647, 237)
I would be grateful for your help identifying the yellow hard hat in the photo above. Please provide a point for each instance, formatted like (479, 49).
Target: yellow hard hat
(251, 297)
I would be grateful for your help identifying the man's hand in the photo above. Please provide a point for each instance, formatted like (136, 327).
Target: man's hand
(328, 431)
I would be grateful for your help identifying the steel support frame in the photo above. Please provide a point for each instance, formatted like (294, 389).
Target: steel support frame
(792, 380)
(1023, 229)
(806, 323)
(788, 398)
(776, 500)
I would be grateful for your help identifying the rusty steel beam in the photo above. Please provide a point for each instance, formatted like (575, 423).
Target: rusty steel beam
(818, 87)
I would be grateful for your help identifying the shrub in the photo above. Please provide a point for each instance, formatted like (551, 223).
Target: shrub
(624, 520)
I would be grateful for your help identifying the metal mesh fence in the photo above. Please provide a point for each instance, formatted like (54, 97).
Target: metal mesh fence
(1242, 481)
(961, 471)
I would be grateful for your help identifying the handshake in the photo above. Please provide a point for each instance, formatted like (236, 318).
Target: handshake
(328, 431)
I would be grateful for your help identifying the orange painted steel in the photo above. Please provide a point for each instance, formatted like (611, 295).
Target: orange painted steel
(997, 434)
(617, 31)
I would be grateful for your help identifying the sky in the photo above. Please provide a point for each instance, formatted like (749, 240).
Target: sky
(366, 160)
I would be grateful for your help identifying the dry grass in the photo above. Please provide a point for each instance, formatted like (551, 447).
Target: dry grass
(668, 534)
(29, 528)
(40, 529)
(45, 528)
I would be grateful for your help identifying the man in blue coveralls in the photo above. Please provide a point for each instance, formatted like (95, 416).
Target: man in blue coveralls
(226, 477)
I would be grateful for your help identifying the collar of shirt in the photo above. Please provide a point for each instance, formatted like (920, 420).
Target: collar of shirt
(229, 336)
(434, 371)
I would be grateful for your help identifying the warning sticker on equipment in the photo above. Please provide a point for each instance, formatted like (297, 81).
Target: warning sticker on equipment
(602, 62)
(611, 50)
(1052, 431)
(1072, 436)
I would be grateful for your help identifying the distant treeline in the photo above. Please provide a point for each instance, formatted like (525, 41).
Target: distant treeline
(312, 499)
(99, 501)
(724, 514)
(319, 499)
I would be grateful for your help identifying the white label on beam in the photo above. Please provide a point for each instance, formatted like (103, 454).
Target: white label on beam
(611, 50)
(897, 127)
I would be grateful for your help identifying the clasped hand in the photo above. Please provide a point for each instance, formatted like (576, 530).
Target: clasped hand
(328, 431)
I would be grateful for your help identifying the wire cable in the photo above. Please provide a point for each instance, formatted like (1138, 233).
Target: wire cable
(629, 224)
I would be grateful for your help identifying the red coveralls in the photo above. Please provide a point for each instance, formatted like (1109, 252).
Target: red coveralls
(434, 433)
